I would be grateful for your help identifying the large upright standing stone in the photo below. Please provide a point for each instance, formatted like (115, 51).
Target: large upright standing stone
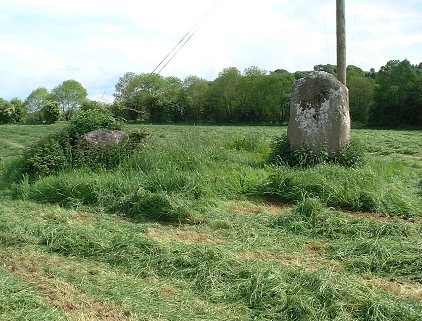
(319, 113)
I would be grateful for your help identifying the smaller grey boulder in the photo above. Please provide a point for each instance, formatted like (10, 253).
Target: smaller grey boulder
(105, 137)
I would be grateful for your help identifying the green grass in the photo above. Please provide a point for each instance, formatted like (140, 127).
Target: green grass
(245, 240)
(386, 186)
(19, 301)
(14, 138)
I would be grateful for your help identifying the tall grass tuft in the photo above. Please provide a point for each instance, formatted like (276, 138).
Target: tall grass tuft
(377, 187)
(114, 194)
(384, 256)
(310, 217)
(282, 153)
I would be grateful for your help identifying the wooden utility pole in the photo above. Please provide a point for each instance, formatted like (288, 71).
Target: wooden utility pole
(341, 41)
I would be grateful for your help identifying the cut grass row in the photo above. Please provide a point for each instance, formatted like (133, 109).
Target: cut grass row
(213, 273)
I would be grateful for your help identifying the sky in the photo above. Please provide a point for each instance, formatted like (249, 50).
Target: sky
(44, 42)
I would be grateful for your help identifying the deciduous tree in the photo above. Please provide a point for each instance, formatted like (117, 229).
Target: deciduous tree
(395, 101)
(195, 90)
(361, 94)
(70, 95)
(36, 99)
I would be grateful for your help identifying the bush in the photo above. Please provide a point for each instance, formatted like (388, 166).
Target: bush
(6, 112)
(50, 112)
(106, 156)
(34, 118)
(91, 119)
(12, 112)
(66, 149)
(350, 155)
(88, 104)
(19, 110)
(50, 155)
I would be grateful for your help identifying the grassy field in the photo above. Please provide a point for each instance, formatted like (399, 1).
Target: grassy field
(251, 241)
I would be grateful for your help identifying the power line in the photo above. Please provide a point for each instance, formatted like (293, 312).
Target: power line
(178, 49)
(184, 40)
(174, 48)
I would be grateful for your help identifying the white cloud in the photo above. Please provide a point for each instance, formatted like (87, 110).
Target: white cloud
(44, 42)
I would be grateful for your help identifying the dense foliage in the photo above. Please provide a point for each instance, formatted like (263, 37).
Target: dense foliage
(254, 96)
(50, 112)
(391, 97)
(398, 94)
(11, 112)
(68, 149)
(69, 94)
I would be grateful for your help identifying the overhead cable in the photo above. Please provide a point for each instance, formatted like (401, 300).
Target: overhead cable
(182, 42)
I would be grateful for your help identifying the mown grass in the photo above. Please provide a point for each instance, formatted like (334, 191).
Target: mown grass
(261, 242)
(19, 301)
(364, 246)
(14, 138)
(210, 272)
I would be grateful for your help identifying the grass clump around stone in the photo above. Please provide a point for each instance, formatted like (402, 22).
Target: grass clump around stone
(282, 153)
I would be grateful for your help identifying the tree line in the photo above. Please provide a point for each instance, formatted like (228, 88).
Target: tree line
(390, 97)
(42, 106)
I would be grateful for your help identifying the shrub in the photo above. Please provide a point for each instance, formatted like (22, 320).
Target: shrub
(88, 104)
(50, 155)
(19, 110)
(50, 112)
(34, 118)
(91, 119)
(66, 149)
(282, 152)
(106, 156)
(12, 112)
(6, 112)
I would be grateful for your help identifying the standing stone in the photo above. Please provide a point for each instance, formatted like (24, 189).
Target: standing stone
(319, 113)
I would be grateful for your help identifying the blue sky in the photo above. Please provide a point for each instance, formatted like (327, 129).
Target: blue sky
(44, 42)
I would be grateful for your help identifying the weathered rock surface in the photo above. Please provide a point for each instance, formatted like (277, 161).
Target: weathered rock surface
(105, 137)
(319, 113)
